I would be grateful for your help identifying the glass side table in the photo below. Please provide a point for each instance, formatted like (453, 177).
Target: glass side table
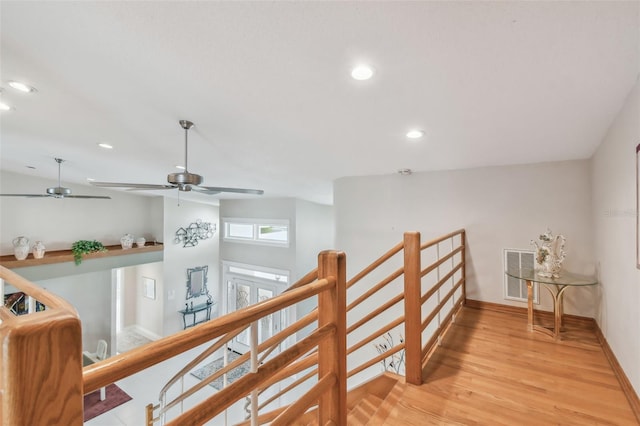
(556, 287)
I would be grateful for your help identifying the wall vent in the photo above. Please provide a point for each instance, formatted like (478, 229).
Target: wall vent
(515, 289)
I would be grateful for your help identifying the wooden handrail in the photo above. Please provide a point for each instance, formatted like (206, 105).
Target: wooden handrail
(50, 300)
(291, 386)
(207, 409)
(441, 239)
(302, 404)
(376, 263)
(376, 312)
(376, 288)
(273, 340)
(197, 360)
(393, 324)
(440, 305)
(120, 366)
(308, 278)
(295, 368)
(32, 391)
(376, 359)
(440, 261)
(430, 344)
(439, 284)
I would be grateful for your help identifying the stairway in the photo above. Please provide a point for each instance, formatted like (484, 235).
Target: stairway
(368, 404)
(373, 401)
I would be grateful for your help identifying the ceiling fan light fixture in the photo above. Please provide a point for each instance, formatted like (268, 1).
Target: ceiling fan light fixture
(21, 87)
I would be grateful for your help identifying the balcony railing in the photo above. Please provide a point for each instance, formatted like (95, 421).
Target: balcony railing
(413, 302)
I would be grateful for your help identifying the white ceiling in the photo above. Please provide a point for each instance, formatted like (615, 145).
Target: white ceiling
(268, 87)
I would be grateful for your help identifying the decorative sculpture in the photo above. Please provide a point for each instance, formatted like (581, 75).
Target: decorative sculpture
(195, 232)
(549, 254)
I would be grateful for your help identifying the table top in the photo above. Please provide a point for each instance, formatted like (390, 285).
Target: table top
(565, 278)
(197, 308)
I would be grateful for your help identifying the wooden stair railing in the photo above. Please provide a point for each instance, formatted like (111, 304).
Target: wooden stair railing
(447, 272)
(329, 339)
(41, 364)
(322, 354)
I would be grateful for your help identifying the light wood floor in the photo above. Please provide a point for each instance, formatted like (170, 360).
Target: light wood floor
(491, 371)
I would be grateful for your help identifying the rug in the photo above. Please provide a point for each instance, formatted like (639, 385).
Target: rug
(94, 407)
(212, 367)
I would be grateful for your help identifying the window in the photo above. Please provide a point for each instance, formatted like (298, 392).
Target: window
(256, 231)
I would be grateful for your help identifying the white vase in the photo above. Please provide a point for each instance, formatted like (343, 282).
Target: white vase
(126, 241)
(140, 242)
(38, 250)
(21, 247)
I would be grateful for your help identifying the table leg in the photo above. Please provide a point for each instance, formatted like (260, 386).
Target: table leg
(103, 393)
(529, 305)
(559, 311)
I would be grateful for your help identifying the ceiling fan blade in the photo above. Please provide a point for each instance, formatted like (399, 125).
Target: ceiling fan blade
(215, 189)
(133, 186)
(87, 196)
(25, 195)
(203, 190)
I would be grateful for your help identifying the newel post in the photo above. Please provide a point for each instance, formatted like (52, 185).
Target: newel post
(332, 352)
(41, 369)
(412, 308)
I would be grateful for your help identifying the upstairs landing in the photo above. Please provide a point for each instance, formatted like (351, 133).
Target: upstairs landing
(491, 371)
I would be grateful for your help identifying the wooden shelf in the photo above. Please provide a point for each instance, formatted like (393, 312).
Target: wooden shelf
(61, 256)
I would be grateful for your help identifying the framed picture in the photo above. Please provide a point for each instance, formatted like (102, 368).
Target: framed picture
(149, 288)
(638, 206)
(16, 303)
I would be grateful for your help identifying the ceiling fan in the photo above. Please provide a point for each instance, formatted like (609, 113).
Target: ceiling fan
(184, 181)
(57, 191)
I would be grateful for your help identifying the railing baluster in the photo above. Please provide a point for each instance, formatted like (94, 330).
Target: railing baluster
(254, 368)
(412, 308)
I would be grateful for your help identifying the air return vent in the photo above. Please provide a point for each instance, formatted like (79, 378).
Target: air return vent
(515, 289)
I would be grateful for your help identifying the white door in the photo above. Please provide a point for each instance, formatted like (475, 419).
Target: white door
(242, 292)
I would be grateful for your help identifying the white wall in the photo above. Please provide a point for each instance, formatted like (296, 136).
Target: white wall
(177, 259)
(500, 207)
(91, 295)
(60, 222)
(149, 312)
(614, 223)
(314, 232)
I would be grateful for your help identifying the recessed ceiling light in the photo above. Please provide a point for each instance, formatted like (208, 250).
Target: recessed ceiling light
(180, 167)
(4, 107)
(105, 146)
(25, 88)
(90, 179)
(415, 134)
(362, 72)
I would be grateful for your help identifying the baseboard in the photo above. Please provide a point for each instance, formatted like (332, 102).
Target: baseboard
(146, 333)
(625, 384)
(627, 388)
(581, 321)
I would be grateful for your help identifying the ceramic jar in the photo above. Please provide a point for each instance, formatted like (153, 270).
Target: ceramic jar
(126, 241)
(21, 247)
(140, 242)
(38, 250)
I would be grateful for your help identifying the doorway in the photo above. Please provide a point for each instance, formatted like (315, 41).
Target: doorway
(250, 284)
